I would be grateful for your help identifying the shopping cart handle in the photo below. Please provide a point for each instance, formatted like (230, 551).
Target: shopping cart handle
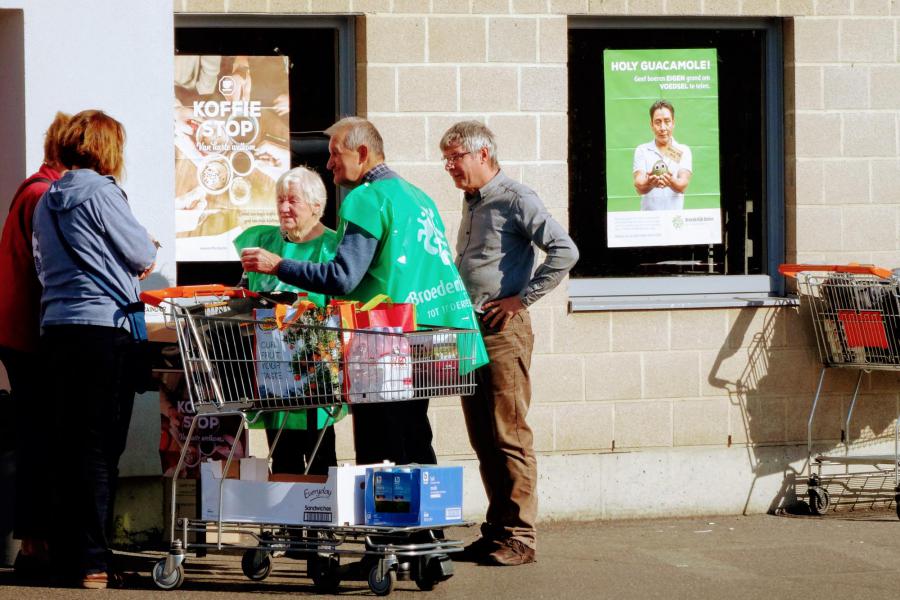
(156, 297)
(791, 270)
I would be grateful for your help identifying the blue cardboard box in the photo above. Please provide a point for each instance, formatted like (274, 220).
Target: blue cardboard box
(410, 496)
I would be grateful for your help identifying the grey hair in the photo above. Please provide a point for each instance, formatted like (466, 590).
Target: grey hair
(472, 136)
(360, 132)
(310, 185)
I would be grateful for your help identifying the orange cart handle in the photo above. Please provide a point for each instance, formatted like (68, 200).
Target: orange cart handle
(791, 270)
(156, 297)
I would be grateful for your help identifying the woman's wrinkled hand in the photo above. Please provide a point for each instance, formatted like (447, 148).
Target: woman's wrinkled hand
(257, 260)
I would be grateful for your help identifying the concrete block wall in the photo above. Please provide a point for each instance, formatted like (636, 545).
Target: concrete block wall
(662, 383)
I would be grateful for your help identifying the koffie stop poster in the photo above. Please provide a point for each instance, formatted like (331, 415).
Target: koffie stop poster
(662, 147)
(232, 135)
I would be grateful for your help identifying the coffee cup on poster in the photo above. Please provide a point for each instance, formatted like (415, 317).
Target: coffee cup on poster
(214, 174)
(240, 191)
(242, 162)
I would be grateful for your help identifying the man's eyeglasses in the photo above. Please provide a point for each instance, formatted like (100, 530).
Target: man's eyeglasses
(453, 158)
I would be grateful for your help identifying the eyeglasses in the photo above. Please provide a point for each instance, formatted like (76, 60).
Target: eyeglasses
(453, 158)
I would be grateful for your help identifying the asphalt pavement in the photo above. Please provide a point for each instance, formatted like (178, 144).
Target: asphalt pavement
(840, 555)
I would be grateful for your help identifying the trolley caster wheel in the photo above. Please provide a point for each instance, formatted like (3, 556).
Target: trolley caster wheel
(173, 581)
(432, 570)
(426, 583)
(819, 500)
(385, 586)
(325, 573)
(256, 564)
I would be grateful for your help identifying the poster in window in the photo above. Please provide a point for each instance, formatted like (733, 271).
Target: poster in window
(231, 145)
(662, 147)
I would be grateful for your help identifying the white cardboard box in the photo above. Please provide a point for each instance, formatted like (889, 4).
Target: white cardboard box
(277, 502)
(349, 485)
(254, 469)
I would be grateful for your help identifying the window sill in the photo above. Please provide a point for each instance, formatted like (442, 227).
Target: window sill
(675, 302)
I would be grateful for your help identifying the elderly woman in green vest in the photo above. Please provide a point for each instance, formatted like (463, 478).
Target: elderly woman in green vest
(300, 236)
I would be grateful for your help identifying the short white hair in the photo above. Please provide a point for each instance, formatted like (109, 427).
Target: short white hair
(471, 136)
(360, 132)
(308, 183)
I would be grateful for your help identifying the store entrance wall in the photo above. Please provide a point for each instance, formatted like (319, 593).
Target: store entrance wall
(12, 101)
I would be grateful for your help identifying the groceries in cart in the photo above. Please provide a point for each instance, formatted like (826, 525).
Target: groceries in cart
(298, 352)
(241, 350)
(279, 357)
(379, 366)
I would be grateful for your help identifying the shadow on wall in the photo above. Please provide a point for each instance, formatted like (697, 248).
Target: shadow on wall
(771, 379)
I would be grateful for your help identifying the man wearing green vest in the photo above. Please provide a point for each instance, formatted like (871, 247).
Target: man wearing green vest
(301, 198)
(392, 242)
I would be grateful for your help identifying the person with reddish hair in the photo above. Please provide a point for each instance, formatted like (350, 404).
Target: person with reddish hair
(90, 253)
(19, 333)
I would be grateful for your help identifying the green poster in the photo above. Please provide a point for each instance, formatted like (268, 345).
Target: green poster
(662, 147)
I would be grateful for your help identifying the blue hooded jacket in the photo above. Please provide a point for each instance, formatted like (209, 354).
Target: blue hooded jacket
(94, 216)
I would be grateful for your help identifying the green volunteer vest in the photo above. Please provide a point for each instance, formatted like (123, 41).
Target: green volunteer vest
(321, 249)
(413, 262)
(268, 237)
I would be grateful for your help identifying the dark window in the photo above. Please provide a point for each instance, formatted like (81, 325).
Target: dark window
(320, 79)
(750, 146)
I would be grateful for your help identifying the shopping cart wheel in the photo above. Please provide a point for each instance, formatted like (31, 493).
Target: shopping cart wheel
(324, 572)
(432, 570)
(386, 585)
(426, 583)
(256, 564)
(819, 500)
(173, 581)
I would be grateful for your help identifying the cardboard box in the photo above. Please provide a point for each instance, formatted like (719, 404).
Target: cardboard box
(409, 496)
(247, 501)
(160, 325)
(349, 485)
(254, 469)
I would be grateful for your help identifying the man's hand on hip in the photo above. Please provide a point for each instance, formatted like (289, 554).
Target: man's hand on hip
(497, 313)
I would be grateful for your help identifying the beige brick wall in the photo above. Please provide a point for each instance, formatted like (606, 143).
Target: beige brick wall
(649, 379)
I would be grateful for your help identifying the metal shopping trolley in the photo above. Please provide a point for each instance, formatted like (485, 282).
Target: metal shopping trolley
(855, 313)
(227, 373)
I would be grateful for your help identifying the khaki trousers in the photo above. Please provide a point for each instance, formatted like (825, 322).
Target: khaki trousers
(502, 440)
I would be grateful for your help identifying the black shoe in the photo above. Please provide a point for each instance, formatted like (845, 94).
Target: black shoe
(478, 551)
(32, 570)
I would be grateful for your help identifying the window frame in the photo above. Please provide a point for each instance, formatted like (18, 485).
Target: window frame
(345, 27)
(642, 293)
(345, 94)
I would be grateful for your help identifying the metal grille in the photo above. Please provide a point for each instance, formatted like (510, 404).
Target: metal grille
(238, 363)
(856, 318)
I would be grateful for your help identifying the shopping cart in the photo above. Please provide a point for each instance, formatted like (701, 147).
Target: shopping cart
(855, 313)
(217, 332)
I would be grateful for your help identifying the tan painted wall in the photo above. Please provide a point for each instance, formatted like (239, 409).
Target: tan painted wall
(649, 379)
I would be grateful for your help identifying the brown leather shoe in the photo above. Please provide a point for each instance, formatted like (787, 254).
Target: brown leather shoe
(95, 581)
(511, 553)
(477, 551)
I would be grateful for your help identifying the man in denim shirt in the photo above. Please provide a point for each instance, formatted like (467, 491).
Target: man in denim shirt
(503, 223)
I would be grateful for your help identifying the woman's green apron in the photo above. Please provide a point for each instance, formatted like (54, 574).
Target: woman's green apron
(321, 249)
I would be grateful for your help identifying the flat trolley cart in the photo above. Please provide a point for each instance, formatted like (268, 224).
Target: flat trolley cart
(226, 375)
(856, 319)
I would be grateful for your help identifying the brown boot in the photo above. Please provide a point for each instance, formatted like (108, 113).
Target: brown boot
(512, 552)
